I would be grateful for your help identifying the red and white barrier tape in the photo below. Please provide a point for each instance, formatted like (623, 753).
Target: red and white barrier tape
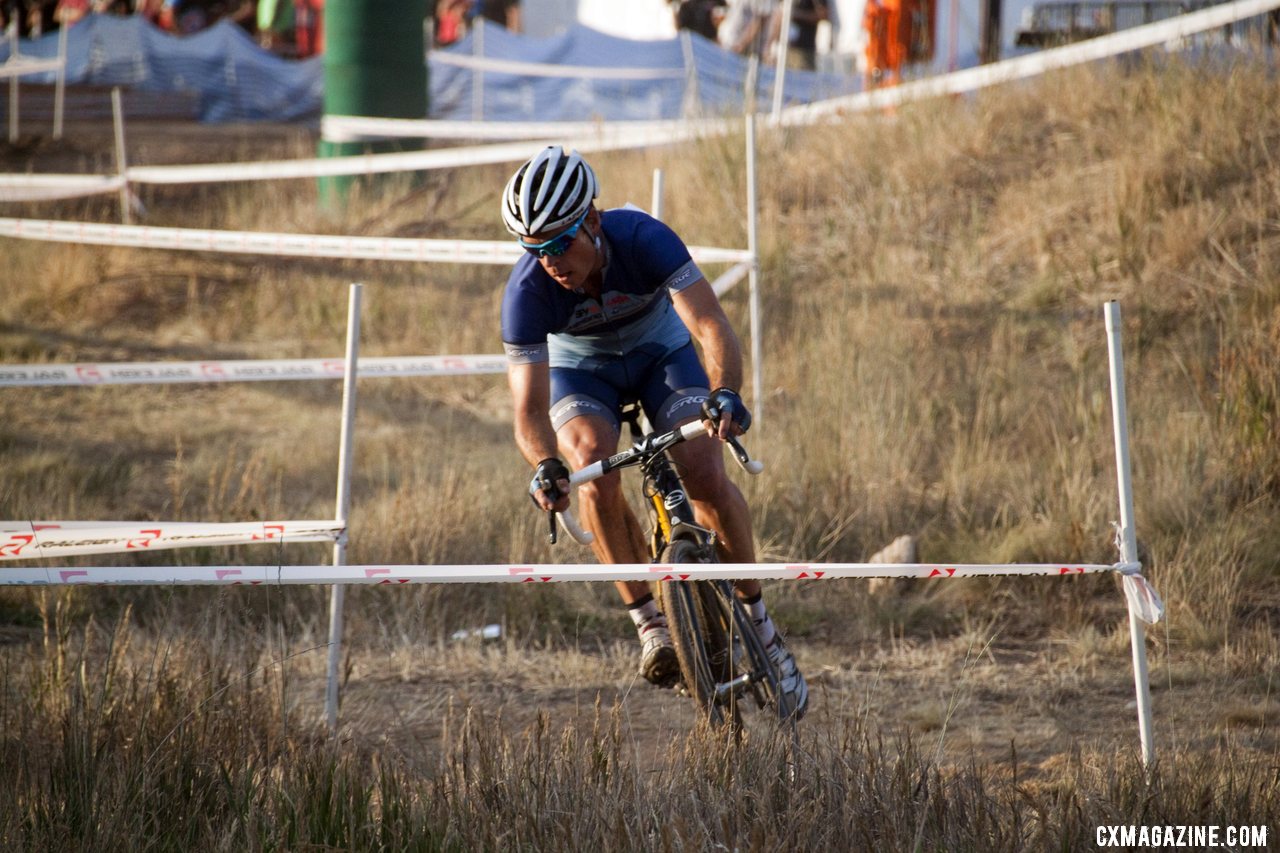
(731, 277)
(499, 252)
(366, 164)
(27, 540)
(611, 136)
(159, 373)
(1141, 596)
(591, 138)
(54, 187)
(547, 573)
(251, 242)
(547, 69)
(587, 138)
(365, 128)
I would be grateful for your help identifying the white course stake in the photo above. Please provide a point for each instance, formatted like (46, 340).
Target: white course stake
(122, 162)
(60, 83)
(780, 72)
(753, 277)
(1128, 538)
(336, 596)
(13, 90)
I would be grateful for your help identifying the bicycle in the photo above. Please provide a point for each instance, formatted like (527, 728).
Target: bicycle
(721, 659)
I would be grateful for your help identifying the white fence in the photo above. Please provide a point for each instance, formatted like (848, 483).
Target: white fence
(27, 540)
(18, 66)
(590, 137)
(22, 540)
(1143, 604)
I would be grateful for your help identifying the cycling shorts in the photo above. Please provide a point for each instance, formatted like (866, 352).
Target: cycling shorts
(670, 386)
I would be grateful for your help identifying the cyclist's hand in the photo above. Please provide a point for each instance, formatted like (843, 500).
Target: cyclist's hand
(726, 413)
(549, 488)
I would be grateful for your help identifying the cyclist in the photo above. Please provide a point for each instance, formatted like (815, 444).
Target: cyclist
(601, 310)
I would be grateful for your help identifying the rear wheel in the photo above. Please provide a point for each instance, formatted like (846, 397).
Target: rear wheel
(698, 634)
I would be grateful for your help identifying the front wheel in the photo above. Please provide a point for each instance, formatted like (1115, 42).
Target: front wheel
(750, 661)
(698, 634)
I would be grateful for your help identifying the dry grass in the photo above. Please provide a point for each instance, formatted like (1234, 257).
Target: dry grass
(936, 366)
(198, 741)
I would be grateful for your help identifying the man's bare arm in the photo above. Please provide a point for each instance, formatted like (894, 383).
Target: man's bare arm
(700, 310)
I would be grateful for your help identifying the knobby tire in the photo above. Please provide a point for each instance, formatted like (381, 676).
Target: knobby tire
(698, 634)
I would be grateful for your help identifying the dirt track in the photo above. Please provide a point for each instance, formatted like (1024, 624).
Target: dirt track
(977, 695)
(958, 700)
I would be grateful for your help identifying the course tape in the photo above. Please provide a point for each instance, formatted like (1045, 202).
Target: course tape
(55, 187)
(21, 66)
(27, 540)
(546, 69)
(1170, 30)
(587, 138)
(335, 128)
(366, 164)
(502, 252)
(409, 574)
(552, 572)
(731, 277)
(592, 137)
(173, 372)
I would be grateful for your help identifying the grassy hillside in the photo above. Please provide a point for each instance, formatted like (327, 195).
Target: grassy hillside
(935, 365)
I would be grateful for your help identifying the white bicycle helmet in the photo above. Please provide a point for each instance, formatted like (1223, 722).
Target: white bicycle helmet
(548, 192)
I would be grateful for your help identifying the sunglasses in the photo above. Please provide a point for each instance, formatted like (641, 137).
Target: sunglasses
(558, 244)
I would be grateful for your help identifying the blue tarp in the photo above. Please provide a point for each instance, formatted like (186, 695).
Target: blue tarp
(233, 79)
(715, 88)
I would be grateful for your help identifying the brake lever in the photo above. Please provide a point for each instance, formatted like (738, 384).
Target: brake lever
(551, 529)
(751, 466)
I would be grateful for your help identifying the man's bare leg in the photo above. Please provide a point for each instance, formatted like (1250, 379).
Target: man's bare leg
(602, 505)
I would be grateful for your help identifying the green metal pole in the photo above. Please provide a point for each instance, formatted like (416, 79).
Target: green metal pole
(374, 65)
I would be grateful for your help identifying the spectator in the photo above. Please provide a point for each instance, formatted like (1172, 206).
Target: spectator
(503, 12)
(308, 16)
(802, 41)
(701, 16)
(242, 13)
(185, 17)
(450, 21)
(12, 14)
(41, 17)
(746, 27)
(149, 10)
(885, 51)
(275, 20)
(70, 11)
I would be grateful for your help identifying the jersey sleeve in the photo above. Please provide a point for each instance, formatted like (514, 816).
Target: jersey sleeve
(527, 319)
(665, 257)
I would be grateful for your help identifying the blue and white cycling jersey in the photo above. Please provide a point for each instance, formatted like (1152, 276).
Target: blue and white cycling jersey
(544, 322)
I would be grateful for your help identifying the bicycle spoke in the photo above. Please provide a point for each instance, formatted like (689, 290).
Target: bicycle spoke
(702, 647)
